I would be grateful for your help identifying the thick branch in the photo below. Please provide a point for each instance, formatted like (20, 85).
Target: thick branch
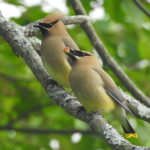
(108, 60)
(23, 47)
(138, 4)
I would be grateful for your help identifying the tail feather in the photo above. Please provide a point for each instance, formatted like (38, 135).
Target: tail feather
(128, 130)
(120, 114)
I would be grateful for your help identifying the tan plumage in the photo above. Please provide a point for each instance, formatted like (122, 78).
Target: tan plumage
(91, 85)
(55, 39)
(95, 89)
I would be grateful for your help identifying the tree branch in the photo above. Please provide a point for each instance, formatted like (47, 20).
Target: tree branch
(107, 59)
(138, 109)
(20, 44)
(138, 4)
(32, 31)
(36, 44)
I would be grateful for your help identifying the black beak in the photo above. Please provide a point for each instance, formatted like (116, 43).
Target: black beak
(71, 55)
(37, 26)
(43, 30)
(79, 53)
(71, 52)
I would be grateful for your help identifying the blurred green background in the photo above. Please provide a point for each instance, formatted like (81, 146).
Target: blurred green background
(125, 32)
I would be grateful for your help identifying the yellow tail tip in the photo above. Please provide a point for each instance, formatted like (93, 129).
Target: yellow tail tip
(131, 135)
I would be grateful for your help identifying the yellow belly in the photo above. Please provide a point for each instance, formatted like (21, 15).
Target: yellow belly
(60, 75)
(97, 101)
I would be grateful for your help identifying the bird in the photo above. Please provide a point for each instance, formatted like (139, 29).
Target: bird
(95, 89)
(54, 40)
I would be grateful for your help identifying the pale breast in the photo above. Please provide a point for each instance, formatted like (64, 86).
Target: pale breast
(54, 60)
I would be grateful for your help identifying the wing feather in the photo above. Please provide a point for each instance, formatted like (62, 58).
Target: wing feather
(111, 89)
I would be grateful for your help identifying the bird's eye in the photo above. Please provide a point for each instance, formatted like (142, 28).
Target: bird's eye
(48, 25)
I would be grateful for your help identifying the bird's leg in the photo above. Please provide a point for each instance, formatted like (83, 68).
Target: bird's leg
(80, 109)
(51, 81)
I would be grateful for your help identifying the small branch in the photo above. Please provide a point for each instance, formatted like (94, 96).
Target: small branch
(32, 31)
(109, 61)
(36, 43)
(45, 131)
(17, 40)
(141, 7)
(138, 109)
(75, 19)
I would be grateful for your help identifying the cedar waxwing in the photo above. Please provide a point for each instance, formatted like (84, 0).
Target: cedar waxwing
(95, 89)
(55, 39)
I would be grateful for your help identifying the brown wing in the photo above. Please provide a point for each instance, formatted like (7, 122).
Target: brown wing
(69, 42)
(111, 88)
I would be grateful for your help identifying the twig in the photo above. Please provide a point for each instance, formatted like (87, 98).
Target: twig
(36, 43)
(141, 7)
(15, 37)
(109, 61)
(75, 19)
(138, 109)
(45, 131)
(31, 31)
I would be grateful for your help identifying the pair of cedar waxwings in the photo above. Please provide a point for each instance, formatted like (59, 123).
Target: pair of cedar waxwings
(81, 71)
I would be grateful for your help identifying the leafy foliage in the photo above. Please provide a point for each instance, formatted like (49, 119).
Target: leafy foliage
(125, 32)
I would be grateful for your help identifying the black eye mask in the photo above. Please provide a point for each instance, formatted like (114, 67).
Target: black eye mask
(79, 53)
(48, 25)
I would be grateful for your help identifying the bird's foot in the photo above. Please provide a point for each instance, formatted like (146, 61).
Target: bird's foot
(80, 109)
(51, 81)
